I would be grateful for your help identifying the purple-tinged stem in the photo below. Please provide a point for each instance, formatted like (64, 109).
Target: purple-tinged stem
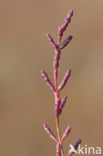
(65, 79)
(66, 133)
(46, 78)
(65, 43)
(63, 101)
(52, 42)
(78, 142)
(56, 59)
(57, 106)
(64, 26)
(51, 134)
(58, 149)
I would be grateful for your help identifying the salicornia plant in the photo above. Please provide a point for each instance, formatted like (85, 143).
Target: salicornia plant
(59, 102)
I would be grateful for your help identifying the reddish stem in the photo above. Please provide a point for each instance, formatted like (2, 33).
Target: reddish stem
(57, 96)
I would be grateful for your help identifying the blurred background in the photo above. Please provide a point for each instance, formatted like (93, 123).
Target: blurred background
(25, 100)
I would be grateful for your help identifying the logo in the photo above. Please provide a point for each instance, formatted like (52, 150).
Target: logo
(86, 150)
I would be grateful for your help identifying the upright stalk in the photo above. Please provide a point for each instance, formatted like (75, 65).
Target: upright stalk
(59, 102)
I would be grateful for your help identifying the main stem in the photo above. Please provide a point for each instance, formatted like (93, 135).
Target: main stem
(58, 129)
(57, 97)
(58, 133)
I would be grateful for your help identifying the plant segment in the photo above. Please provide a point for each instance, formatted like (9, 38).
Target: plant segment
(59, 102)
